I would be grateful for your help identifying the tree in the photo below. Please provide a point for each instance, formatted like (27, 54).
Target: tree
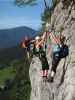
(46, 15)
(48, 10)
(23, 86)
(54, 3)
(25, 2)
(30, 2)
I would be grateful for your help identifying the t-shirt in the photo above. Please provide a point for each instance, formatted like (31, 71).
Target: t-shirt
(56, 48)
(26, 42)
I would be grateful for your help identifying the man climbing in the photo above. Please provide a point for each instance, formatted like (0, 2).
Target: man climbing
(26, 45)
(40, 52)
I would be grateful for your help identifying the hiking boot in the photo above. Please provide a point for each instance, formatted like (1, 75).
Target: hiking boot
(44, 79)
(50, 79)
(52, 76)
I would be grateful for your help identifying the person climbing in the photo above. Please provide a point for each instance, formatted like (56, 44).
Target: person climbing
(40, 52)
(59, 50)
(26, 45)
(55, 58)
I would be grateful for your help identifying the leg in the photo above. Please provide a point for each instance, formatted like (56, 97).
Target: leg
(46, 73)
(43, 73)
(55, 63)
(28, 54)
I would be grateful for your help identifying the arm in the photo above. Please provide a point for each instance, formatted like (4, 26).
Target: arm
(23, 45)
(43, 39)
(40, 43)
(53, 37)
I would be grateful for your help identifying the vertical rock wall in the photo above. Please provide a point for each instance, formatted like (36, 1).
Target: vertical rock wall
(63, 87)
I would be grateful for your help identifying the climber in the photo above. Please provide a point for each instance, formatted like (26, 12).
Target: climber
(59, 50)
(26, 45)
(40, 52)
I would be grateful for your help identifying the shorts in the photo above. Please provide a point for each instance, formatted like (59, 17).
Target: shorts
(44, 62)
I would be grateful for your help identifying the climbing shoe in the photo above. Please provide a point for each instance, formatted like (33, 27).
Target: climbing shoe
(44, 79)
(52, 76)
(51, 79)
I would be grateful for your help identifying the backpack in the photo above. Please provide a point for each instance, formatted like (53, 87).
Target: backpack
(64, 51)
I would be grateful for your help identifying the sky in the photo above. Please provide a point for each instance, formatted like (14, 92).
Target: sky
(13, 16)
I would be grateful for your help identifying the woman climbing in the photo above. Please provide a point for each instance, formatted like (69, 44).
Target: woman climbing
(40, 51)
(59, 50)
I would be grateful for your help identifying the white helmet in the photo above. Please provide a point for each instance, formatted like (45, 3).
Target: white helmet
(37, 38)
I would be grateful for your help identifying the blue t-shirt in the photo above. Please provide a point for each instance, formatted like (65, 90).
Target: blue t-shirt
(56, 48)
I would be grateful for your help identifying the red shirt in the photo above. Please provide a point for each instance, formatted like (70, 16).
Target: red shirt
(25, 43)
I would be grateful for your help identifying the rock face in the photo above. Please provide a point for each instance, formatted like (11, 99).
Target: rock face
(63, 87)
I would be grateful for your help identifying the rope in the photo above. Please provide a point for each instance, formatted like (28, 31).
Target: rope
(54, 37)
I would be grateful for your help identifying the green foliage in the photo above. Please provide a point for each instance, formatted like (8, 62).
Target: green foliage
(22, 88)
(7, 73)
(7, 76)
(61, 28)
(46, 17)
(22, 80)
(55, 2)
(25, 2)
(18, 71)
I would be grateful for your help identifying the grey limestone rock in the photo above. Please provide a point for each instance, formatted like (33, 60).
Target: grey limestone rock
(63, 87)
